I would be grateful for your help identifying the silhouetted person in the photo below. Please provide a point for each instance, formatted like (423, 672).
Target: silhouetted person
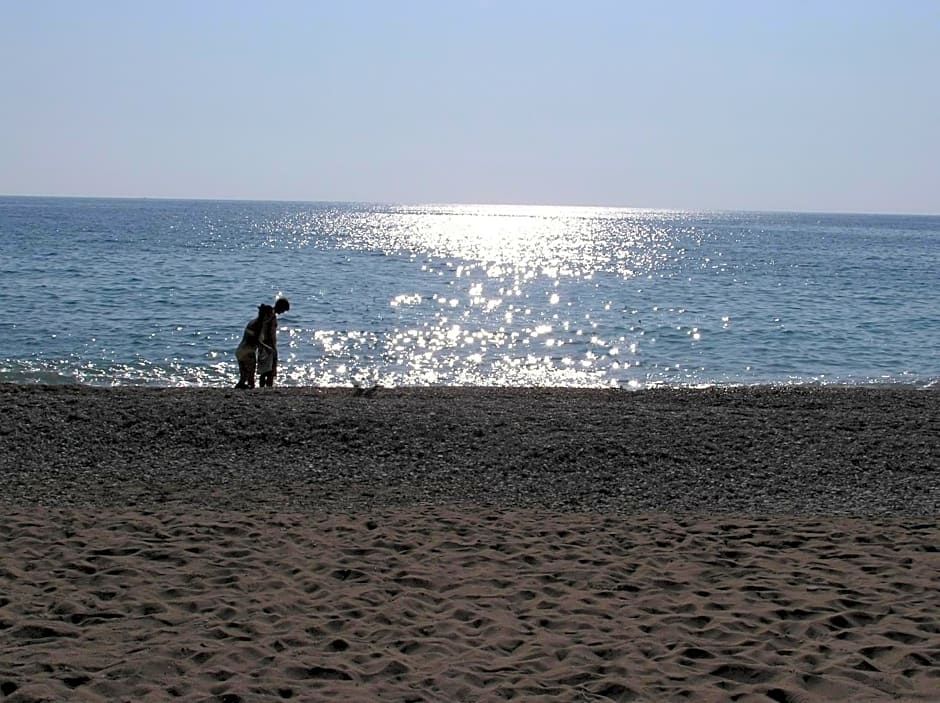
(267, 344)
(247, 350)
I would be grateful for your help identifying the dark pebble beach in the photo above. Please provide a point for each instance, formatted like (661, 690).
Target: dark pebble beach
(860, 451)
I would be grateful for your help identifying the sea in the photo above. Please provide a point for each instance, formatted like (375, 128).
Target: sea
(152, 292)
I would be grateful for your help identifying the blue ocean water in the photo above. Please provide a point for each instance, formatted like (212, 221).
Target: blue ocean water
(157, 292)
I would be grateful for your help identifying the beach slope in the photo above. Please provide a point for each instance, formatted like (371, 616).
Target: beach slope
(750, 544)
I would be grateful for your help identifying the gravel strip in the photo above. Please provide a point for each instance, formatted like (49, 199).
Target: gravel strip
(749, 451)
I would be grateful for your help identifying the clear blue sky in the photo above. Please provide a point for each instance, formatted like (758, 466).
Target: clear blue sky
(818, 105)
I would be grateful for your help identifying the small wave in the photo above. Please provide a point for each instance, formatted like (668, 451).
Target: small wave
(51, 378)
(338, 374)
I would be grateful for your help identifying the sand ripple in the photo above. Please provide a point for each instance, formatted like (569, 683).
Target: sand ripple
(442, 604)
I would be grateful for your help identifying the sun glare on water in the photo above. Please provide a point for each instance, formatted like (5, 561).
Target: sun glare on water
(511, 295)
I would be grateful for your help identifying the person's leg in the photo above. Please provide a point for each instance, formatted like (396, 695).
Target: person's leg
(242, 375)
(273, 370)
(250, 373)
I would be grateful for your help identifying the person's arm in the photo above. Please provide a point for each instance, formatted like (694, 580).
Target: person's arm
(272, 331)
(264, 336)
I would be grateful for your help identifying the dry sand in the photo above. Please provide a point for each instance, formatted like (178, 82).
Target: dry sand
(467, 544)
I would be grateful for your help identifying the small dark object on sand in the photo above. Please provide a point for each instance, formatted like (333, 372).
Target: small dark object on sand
(366, 392)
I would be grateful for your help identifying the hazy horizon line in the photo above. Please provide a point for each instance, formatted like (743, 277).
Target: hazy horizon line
(442, 203)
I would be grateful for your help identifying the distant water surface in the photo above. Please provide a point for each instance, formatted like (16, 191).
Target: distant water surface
(157, 292)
